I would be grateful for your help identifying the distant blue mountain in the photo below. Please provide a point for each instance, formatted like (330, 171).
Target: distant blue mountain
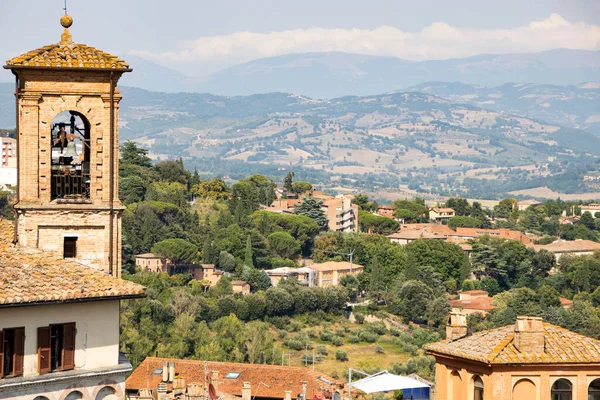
(335, 74)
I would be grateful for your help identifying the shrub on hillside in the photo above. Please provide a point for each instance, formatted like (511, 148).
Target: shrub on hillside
(341, 355)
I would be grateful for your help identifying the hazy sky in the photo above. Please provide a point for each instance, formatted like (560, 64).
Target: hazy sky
(199, 37)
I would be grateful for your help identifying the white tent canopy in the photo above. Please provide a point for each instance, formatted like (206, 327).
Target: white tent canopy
(384, 382)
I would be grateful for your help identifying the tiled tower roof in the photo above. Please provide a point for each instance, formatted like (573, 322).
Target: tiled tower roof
(497, 346)
(67, 54)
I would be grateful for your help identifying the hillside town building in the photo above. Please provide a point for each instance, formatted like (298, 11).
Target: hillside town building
(440, 214)
(244, 381)
(525, 204)
(342, 214)
(473, 301)
(592, 208)
(8, 162)
(531, 359)
(151, 262)
(330, 273)
(579, 247)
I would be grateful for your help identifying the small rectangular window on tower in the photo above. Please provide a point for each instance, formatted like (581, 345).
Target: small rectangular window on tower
(70, 247)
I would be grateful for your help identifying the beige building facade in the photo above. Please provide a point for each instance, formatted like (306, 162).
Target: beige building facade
(330, 273)
(151, 262)
(531, 360)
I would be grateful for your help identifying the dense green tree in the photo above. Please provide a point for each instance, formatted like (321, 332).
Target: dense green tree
(226, 261)
(587, 220)
(301, 187)
(132, 189)
(5, 200)
(446, 258)
(411, 211)
(179, 251)
(248, 258)
(173, 171)
(378, 279)
(465, 222)
(283, 245)
(258, 280)
(411, 301)
(288, 181)
(131, 153)
(311, 208)
(279, 301)
(168, 192)
(214, 189)
(376, 224)
(461, 207)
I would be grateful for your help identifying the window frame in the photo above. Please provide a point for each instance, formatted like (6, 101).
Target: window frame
(17, 354)
(48, 345)
(561, 393)
(72, 240)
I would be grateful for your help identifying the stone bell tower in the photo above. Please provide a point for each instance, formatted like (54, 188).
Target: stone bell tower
(67, 105)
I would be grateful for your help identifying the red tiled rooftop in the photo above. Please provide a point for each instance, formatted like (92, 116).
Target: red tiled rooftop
(266, 380)
(31, 276)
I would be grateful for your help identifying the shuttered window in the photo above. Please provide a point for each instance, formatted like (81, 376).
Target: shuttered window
(44, 338)
(12, 347)
(56, 347)
(68, 357)
(1, 353)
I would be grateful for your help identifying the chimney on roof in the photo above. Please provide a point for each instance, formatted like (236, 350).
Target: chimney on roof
(165, 372)
(456, 326)
(215, 380)
(288, 395)
(529, 335)
(246, 391)
(162, 391)
(171, 371)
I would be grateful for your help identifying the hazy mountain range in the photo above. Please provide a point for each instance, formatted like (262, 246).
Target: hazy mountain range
(334, 74)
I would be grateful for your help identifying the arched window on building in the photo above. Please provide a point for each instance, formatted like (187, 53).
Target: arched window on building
(562, 390)
(106, 393)
(457, 390)
(524, 389)
(70, 157)
(74, 395)
(40, 398)
(477, 388)
(594, 390)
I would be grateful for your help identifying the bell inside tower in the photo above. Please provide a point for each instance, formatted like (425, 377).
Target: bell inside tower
(70, 157)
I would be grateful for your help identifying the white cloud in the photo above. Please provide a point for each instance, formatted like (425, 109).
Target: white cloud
(436, 41)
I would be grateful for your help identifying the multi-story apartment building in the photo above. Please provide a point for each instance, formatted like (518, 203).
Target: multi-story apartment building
(8, 161)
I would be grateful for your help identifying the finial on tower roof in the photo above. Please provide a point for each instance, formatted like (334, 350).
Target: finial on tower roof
(66, 21)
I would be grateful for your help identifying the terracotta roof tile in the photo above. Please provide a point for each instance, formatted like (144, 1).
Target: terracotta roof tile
(565, 246)
(334, 266)
(266, 380)
(496, 346)
(33, 276)
(67, 54)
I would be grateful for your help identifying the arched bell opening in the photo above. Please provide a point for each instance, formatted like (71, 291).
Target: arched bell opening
(70, 157)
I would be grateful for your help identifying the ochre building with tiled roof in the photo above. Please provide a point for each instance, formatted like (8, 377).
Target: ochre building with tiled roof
(531, 360)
